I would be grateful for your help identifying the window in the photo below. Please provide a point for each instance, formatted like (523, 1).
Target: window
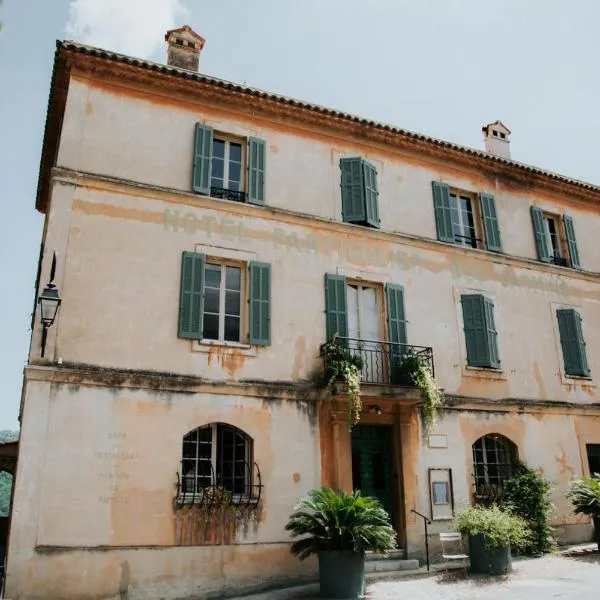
(228, 168)
(465, 218)
(211, 300)
(572, 343)
(480, 331)
(217, 455)
(494, 459)
(555, 238)
(360, 196)
(593, 454)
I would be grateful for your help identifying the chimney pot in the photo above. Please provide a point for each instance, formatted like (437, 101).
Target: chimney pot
(497, 139)
(184, 48)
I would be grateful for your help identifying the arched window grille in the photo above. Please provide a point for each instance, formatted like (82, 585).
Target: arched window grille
(494, 459)
(217, 455)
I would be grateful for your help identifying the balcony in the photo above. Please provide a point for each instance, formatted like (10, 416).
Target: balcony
(385, 363)
(226, 194)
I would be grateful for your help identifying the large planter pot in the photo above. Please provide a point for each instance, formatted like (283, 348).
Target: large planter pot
(341, 574)
(491, 561)
(596, 519)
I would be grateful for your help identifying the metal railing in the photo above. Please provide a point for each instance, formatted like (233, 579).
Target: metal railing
(559, 260)
(382, 362)
(226, 194)
(426, 522)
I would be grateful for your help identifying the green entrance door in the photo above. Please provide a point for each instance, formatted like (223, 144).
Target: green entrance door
(373, 465)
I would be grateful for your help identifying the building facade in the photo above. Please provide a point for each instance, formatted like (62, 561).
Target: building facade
(207, 240)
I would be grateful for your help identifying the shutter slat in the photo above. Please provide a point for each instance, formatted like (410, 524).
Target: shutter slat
(396, 320)
(353, 190)
(539, 234)
(571, 242)
(572, 342)
(491, 225)
(256, 171)
(203, 141)
(491, 334)
(191, 295)
(371, 194)
(335, 306)
(260, 304)
(443, 213)
(480, 332)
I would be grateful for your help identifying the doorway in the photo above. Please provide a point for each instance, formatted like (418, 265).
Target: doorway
(373, 469)
(593, 455)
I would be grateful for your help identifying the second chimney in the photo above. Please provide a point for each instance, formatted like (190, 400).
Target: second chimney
(184, 48)
(497, 139)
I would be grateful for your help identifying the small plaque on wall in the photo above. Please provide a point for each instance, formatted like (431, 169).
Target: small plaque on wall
(441, 494)
(438, 441)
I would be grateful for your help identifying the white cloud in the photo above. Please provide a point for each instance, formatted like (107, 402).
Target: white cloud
(134, 27)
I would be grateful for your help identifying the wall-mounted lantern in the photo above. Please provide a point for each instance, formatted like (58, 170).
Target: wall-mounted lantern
(49, 301)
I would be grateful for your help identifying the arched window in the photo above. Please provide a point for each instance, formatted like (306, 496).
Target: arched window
(217, 455)
(494, 458)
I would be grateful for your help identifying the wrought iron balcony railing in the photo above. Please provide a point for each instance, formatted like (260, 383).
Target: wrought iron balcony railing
(559, 260)
(226, 194)
(384, 362)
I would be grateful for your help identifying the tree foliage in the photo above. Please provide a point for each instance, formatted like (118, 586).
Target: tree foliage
(6, 479)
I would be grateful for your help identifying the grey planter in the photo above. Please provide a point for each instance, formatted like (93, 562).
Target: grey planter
(342, 574)
(596, 519)
(490, 561)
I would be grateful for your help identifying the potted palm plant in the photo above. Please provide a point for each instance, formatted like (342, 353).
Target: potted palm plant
(584, 494)
(491, 531)
(339, 528)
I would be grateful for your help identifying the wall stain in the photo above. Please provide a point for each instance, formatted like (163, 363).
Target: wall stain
(299, 357)
(542, 394)
(563, 463)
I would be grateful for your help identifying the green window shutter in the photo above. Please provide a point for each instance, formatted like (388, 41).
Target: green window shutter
(480, 335)
(371, 194)
(260, 304)
(203, 142)
(394, 295)
(491, 334)
(490, 222)
(335, 306)
(443, 213)
(571, 242)
(191, 295)
(256, 171)
(537, 218)
(572, 342)
(353, 190)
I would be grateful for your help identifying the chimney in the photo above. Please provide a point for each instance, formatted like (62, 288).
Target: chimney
(497, 139)
(184, 48)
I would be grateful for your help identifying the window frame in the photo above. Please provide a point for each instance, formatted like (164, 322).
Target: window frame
(244, 291)
(228, 139)
(478, 240)
(216, 478)
(512, 455)
(380, 300)
(563, 259)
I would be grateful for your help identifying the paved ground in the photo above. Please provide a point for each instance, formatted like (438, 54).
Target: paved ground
(575, 577)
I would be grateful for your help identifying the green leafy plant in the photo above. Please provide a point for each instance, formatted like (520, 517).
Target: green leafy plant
(584, 495)
(343, 365)
(526, 495)
(411, 368)
(326, 519)
(499, 527)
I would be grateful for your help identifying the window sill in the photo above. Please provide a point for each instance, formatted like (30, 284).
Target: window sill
(573, 380)
(484, 373)
(209, 346)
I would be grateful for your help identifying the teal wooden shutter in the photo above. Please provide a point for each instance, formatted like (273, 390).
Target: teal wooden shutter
(335, 306)
(443, 213)
(371, 194)
(260, 304)
(353, 190)
(203, 142)
(572, 342)
(396, 321)
(571, 242)
(256, 171)
(191, 295)
(480, 331)
(537, 218)
(490, 222)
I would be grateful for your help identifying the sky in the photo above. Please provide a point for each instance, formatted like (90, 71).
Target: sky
(440, 67)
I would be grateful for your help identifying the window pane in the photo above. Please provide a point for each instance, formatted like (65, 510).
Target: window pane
(235, 152)
(212, 275)
(232, 329)
(235, 173)
(218, 149)
(233, 278)
(211, 300)
(232, 303)
(210, 327)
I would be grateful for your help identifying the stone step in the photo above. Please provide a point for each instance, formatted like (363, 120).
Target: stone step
(394, 554)
(391, 565)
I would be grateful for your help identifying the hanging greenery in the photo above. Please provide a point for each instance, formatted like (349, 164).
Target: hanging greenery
(342, 365)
